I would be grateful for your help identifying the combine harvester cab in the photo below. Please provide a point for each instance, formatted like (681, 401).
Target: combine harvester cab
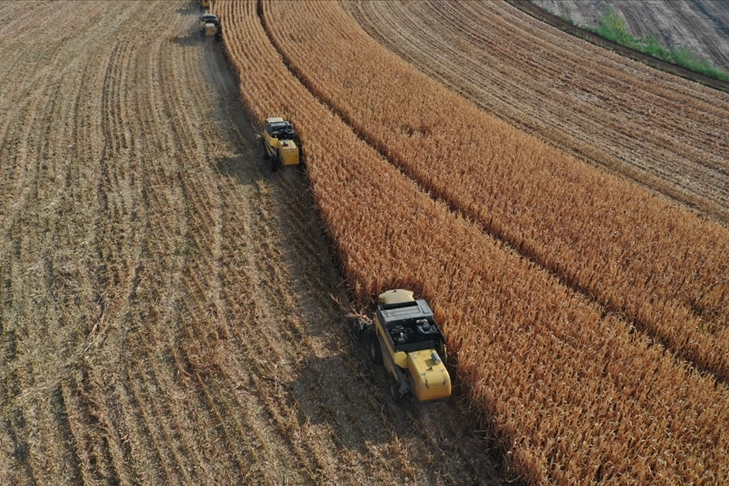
(407, 340)
(281, 143)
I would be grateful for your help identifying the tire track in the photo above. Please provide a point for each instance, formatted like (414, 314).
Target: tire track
(111, 184)
(124, 253)
(54, 278)
(151, 383)
(199, 218)
(108, 454)
(197, 206)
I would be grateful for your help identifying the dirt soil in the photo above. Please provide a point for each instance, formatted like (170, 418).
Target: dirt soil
(170, 312)
(701, 26)
(661, 131)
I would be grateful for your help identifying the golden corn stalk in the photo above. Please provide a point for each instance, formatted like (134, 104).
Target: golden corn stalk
(575, 393)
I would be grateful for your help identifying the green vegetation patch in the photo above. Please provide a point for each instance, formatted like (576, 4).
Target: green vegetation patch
(612, 27)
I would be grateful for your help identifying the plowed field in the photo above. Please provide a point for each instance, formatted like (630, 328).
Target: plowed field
(169, 311)
(667, 133)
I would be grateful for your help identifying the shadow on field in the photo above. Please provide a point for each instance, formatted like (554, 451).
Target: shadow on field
(194, 39)
(232, 118)
(340, 395)
(229, 166)
(349, 396)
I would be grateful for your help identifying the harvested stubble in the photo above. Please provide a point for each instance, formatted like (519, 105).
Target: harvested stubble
(125, 261)
(664, 268)
(576, 397)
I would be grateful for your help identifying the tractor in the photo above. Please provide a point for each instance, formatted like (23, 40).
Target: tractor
(406, 339)
(281, 143)
(210, 26)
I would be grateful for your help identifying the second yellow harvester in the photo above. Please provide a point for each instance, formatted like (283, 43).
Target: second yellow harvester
(281, 143)
(406, 339)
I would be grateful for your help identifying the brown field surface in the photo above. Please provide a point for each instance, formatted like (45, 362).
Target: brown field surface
(667, 133)
(169, 311)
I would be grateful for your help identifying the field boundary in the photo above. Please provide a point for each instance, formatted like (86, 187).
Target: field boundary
(541, 14)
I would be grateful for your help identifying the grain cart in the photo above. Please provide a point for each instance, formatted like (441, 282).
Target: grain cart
(406, 339)
(210, 26)
(281, 143)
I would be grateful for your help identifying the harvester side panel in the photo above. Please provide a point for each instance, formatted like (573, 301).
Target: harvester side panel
(429, 378)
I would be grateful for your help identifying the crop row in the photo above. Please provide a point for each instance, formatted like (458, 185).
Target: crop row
(661, 266)
(575, 396)
(658, 129)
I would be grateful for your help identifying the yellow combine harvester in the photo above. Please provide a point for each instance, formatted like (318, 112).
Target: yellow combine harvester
(281, 143)
(407, 340)
(205, 4)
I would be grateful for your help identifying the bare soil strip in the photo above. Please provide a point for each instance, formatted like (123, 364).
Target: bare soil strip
(170, 313)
